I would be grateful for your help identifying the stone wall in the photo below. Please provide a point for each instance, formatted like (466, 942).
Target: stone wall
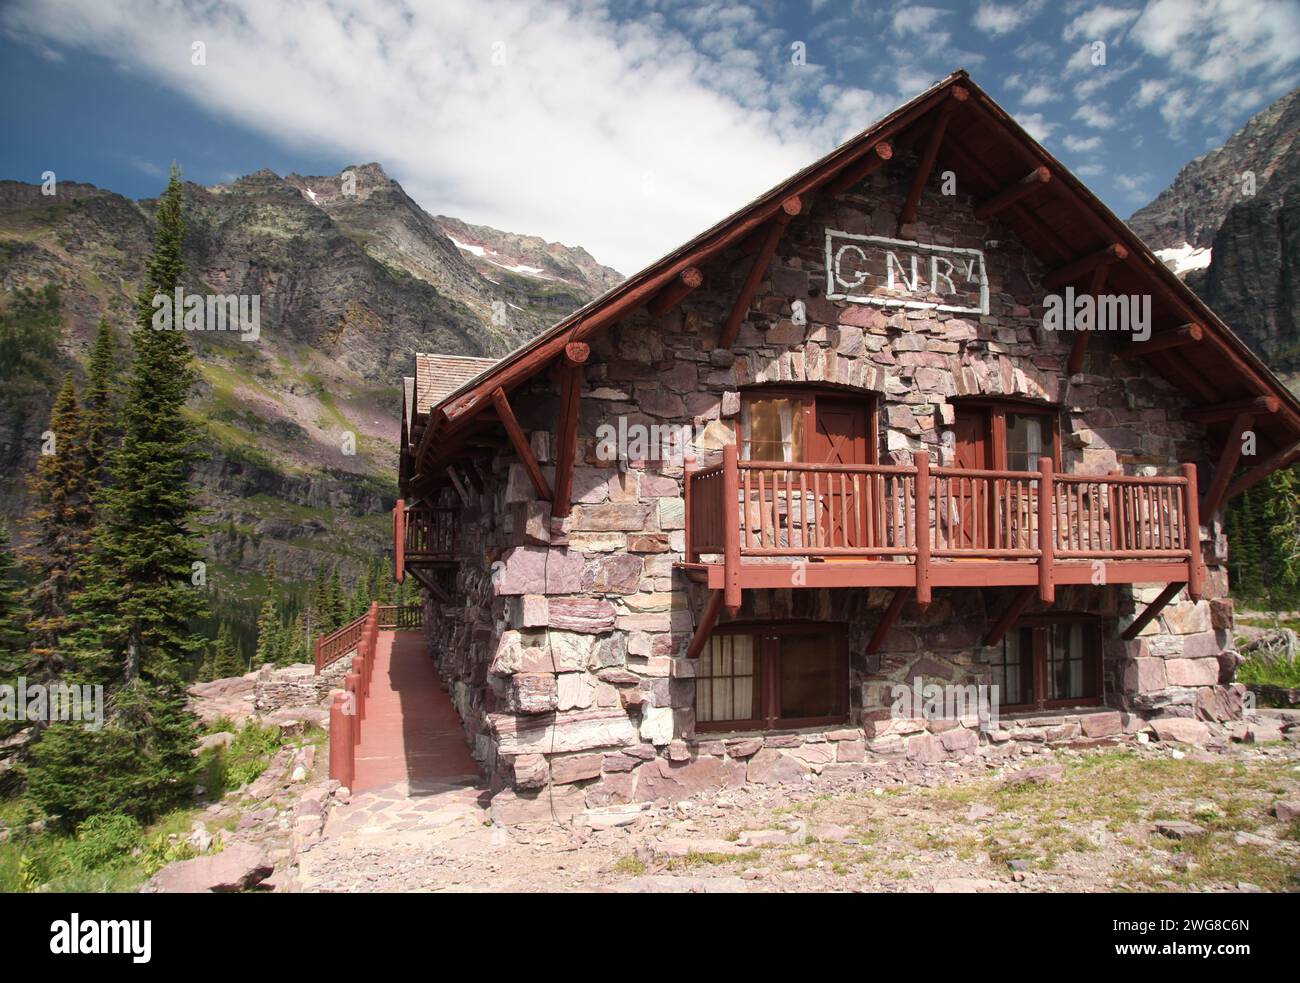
(565, 648)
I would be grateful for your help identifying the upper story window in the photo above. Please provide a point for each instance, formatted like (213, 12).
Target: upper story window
(807, 426)
(1005, 436)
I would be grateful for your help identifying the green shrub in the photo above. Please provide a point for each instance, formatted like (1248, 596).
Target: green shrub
(226, 769)
(103, 842)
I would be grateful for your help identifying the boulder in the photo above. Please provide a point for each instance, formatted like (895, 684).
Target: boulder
(239, 867)
(1182, 730)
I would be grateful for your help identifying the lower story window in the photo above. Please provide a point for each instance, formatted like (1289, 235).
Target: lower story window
(754, 677)
(1049, 666)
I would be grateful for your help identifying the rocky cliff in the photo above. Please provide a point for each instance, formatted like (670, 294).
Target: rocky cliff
(352, 277)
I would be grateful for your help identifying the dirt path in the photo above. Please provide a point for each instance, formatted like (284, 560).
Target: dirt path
(1042, 821)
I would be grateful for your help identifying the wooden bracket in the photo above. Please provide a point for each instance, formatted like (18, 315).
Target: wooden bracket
(1188, 334)
(1257, 406)
(1152, 609)
(431, 585)
(705, 628)
(868, 164)
(1282, 459)
(670, 296)
(1228, 458)
(1014, 610)
(789, 209)
(926, 164)
(576, 354)
(1007, 197)
(1070, 272)
(887, 620)
(523, 449)
(1074, 364)
(461, 490)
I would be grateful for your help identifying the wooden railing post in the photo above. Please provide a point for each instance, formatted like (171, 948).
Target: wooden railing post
(352, 686)
(732, 510)
(922, 514)
(399, 540)
(688, 477)
(342, 753)
(1195, 562)
(1046, 530)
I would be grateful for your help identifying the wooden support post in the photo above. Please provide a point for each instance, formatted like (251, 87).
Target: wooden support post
(1256, 406)
(922, 532)
(1074, 364)
(352, 686)
(670, 296)
(1195, 564)
(907, 215)
(1228, 458)
(732, 510)
(566, 436)
(1046, 530)
(1152, 609)
(520, 443)
(399, 540)
(1282, 459)
(868, 164)
(461, 490)
(887, 620)
(430, 583)
(789, 209)
(692, 554)
(705, 628)
(1009, 616)
(1007, 197)
(342, 756)
(1188, 334)
(1062, 275)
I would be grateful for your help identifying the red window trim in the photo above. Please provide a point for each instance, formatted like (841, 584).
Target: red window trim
(998, 408)
(1039, 660)
(807, 394)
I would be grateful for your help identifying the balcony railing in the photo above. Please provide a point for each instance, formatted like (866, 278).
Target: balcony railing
(422, 534)
(752, 512)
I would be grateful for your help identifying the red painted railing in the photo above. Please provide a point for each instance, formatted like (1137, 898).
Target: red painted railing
(738, 510)
(338, 643)
(348, 710)
(422, 533)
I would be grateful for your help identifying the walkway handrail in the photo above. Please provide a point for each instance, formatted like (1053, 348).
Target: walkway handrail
(338, 643)
(401, 617)
(348, 709)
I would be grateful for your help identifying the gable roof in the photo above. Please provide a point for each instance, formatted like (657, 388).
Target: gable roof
(1060, 220)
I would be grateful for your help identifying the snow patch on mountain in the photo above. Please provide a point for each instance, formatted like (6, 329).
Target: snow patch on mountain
(1186, 257)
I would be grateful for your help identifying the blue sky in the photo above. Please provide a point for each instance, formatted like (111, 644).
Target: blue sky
(625, 128)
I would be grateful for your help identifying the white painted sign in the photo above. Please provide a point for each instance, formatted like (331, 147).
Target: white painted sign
(901, 273)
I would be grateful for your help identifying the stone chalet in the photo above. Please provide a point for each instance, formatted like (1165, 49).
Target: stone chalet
(714, 526)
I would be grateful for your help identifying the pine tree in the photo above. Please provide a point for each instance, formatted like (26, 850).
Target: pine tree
(387, 585)
(140, 602)
(101, 400)
(296, 648)
(337, 602)
(226, 662)
(270, 633)
(320, 602)
(13, 635)
(61, 523)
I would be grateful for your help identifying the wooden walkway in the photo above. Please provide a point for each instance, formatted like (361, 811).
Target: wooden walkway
(411, 732)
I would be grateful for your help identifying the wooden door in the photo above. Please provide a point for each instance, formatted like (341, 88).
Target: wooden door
(967, 508)
(841, 435)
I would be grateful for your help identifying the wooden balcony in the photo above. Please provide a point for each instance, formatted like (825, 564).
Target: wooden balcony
(424, 543)
(761, 524)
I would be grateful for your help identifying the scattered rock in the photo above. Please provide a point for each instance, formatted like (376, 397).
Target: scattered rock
(1037, 776)
(1287, 811)
(238, 867)
(1176, 829)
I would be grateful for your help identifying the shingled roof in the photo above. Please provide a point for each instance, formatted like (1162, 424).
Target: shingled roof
(438, 376)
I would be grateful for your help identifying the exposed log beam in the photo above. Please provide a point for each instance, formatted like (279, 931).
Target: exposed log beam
(1188, 334)
(1152, 609)
(1009, 617)
(523, 450)
(1257, 406)
(576, 354)
(1275, 462)
(789, 209)
(430, 584)
(912, 202)
(871, 161)
(1074, 364)
(672, 295)
(888, 619)
(1070, 272)
(1228, 458)
(1007, 197)
(461, 490)
(705, 628)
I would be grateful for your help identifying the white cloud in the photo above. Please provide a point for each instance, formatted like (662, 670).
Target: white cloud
(1038, 94)
(1135, 186)
(1090, 170)
(624, 137)
(1003, 18)
(1095, 116)
(1098, 23)
(1081, 145)
(916, 20)
(1036, 126)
